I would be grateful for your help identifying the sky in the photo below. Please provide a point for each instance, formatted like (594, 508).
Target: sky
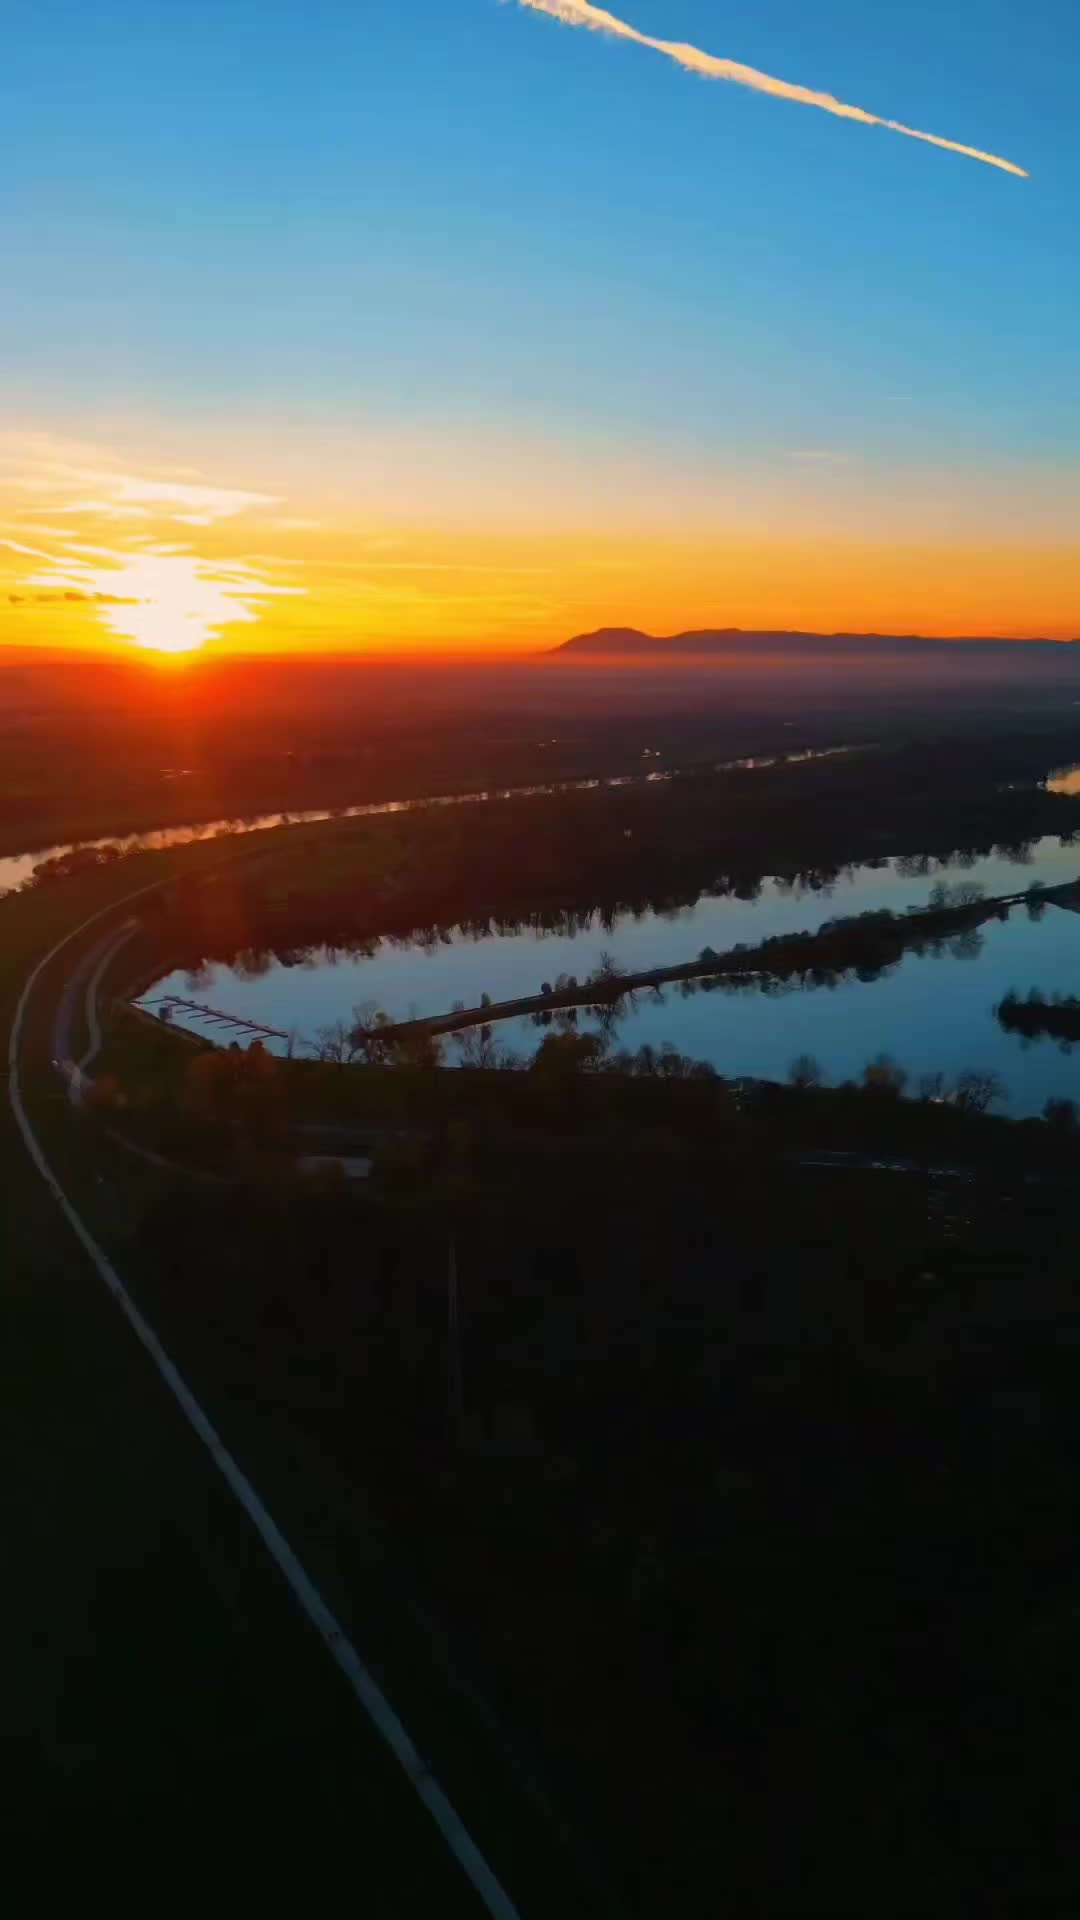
(444, 324)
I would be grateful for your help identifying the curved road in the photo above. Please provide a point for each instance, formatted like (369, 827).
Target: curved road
(87, 975)
(172, 1680)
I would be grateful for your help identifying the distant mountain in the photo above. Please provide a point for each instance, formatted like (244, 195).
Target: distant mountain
(626, 641)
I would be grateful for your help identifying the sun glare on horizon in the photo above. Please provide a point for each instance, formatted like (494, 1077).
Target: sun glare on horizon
(163, 601)
(145, 589)
(122, 542)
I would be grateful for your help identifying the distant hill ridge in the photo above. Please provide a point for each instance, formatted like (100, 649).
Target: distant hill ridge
(743, 640)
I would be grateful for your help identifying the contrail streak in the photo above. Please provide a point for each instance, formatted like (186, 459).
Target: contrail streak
(581, 13)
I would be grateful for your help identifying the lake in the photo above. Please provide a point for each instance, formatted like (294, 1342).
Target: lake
(931, 1013)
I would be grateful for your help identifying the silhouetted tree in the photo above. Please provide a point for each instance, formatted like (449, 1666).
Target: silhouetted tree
(561, 1056)
(335, 1044)
(977, 1090)
(883, 1075)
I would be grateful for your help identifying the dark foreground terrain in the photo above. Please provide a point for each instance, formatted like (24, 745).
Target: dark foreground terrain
(725, 1431)
(704, 1452)
(737, 1468)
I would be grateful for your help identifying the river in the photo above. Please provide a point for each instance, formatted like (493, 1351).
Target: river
(18, 869)
(930, 1013)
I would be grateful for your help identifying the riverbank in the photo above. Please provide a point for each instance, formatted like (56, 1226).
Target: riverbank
(745, 981)
(868, 943)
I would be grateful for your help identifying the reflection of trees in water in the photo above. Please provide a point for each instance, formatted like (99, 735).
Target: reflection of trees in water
(865, 949)
(1018, 853)
(967, 945)
(252, 963)
(1037, 1016)
(966, 893)
(305, 932)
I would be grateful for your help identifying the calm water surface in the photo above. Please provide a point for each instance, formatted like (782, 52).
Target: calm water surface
(930, 1013)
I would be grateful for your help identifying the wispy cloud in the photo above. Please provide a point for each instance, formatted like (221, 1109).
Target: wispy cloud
(210, 503)
(580, 13)
(104, 509)
(99, 485)
(32, 553)
(132, 496)
(167, 600)
(159, 594)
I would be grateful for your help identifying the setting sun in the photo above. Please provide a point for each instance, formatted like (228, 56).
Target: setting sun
(98, 553)
(540, 951)
(144, 587)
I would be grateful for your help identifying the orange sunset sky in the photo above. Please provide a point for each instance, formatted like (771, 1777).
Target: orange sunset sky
(508, 547)
(463, 327)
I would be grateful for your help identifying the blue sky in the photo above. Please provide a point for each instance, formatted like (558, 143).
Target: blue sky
(458, 218)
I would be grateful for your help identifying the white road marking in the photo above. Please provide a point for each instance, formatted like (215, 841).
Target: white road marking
(391, 1730)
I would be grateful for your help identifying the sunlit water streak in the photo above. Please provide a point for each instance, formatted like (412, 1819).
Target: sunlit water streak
(18, 868)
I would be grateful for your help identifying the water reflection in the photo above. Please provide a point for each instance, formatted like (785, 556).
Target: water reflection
(933, 1012)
